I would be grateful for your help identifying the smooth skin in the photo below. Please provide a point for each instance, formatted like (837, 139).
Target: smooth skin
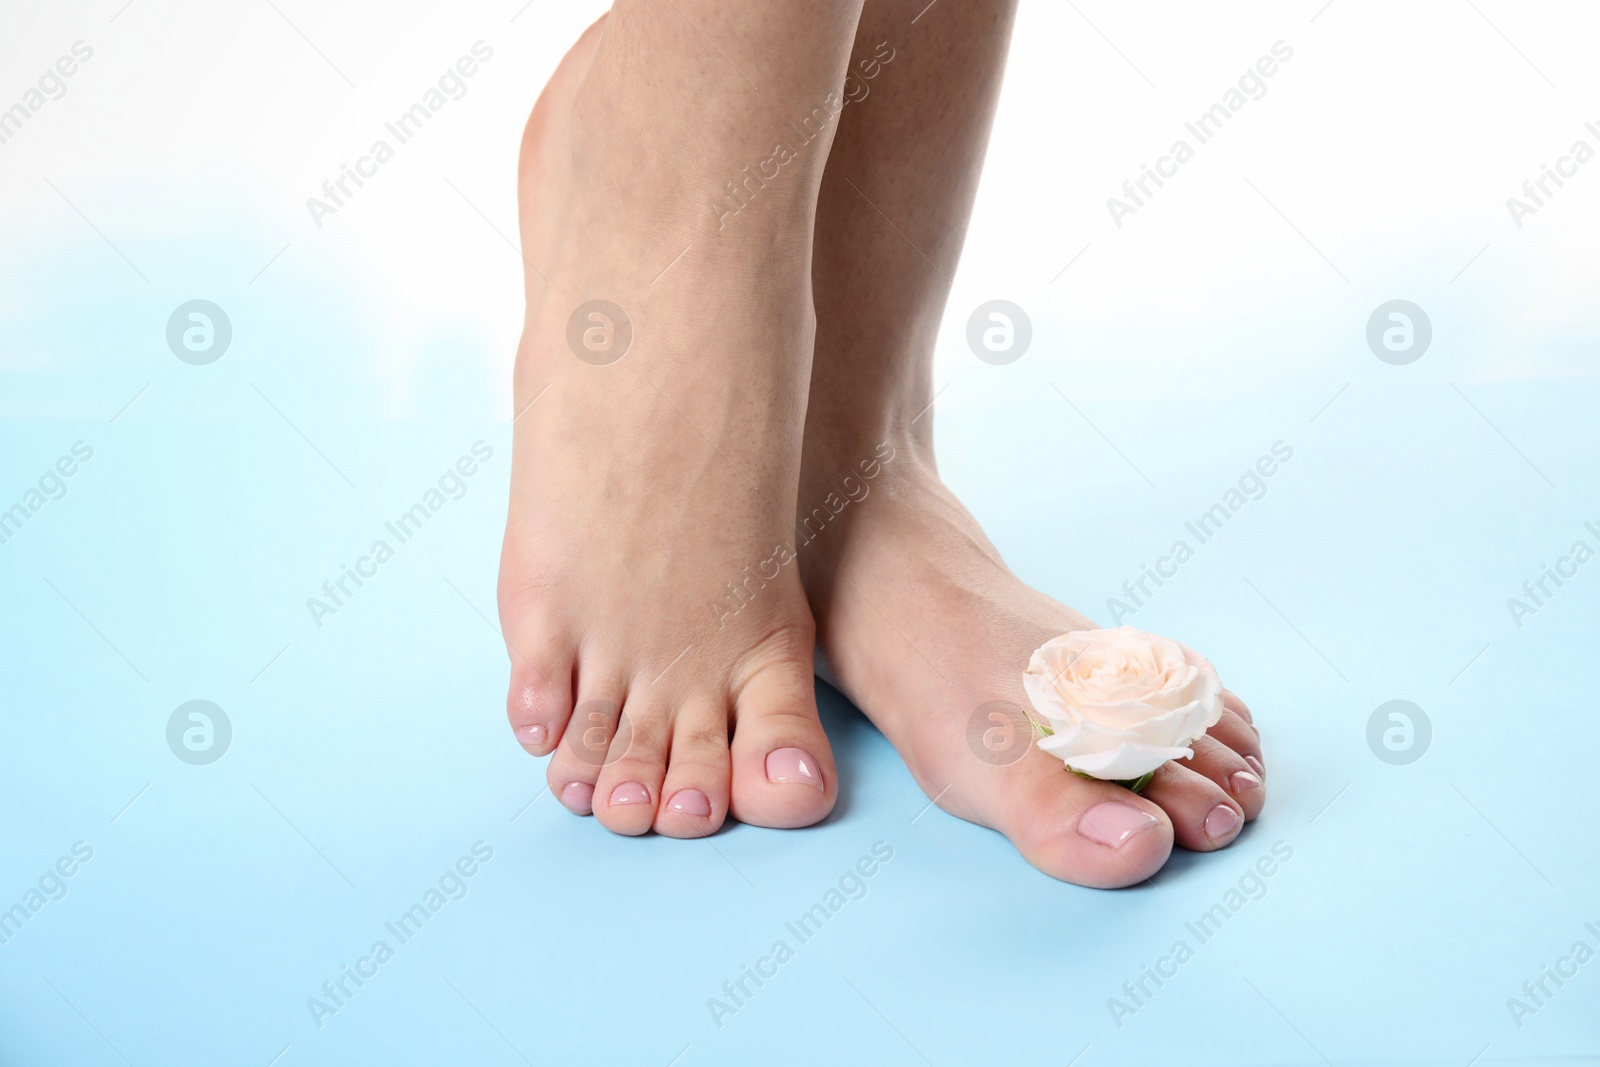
(789, 342)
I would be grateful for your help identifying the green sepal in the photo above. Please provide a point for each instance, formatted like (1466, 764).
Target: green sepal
(1134, 784)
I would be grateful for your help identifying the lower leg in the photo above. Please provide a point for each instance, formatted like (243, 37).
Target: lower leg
(893, 213)
(919, 618)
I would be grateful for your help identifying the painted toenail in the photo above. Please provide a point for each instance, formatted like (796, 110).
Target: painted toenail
(1243, 782)
(1221, 822)
(792, 765)
(1113, 823)
(690, 802)
(533, 735)
(629, 793)
(1255, 765)
(579, 796)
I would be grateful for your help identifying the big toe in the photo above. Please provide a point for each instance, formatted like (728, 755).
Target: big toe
(783, 769)
(1076, 829)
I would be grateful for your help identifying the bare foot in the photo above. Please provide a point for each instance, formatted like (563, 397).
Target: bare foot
(656, 458)
(922, 625)
(920, 620)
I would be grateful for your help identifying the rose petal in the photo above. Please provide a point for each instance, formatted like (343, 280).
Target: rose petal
(1126, 761)
(1148, 719)
(1121, 702)
(1174, 729)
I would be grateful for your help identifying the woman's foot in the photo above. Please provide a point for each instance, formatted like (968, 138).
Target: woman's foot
(925, 628)
(660, 641)
(921, 622)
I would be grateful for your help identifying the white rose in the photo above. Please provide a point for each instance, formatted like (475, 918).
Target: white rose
(1117, 704)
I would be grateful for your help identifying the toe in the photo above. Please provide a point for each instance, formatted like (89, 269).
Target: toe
(783, 771)
(1204, 816)
(694, 796)
(1239, 735)
(1231, 701)
(1232, 772)
(629, 786)
(539, 700)
(575, 765)
(539, 703)
(1076, 829)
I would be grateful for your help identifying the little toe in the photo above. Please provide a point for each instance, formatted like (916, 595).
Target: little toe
(783, 770)
(1204, 816)
(694, 796)
(539, 702)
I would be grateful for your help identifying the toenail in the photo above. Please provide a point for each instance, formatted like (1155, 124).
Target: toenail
(1221, 822)
(629, 793)
(1243, 782)
(1255, 765)
(792, 765)
(1113, 823)
(533, 735)
(579, 796)
(690, 802)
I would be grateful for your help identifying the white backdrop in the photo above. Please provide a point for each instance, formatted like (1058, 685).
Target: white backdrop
(1377, 165)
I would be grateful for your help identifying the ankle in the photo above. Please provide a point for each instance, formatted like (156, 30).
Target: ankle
(849, 466)
(897, 418)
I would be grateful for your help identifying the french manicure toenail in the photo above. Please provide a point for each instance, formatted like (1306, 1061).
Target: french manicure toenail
(793, 765)
(1113, 823)
(1255, 765)
(629, 793)
(579, 796)
(690, 802)
(1244, 781)
(1221, 822)
(533, 735)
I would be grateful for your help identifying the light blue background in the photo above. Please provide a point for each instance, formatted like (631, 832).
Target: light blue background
(369, 754)
(373, 752)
